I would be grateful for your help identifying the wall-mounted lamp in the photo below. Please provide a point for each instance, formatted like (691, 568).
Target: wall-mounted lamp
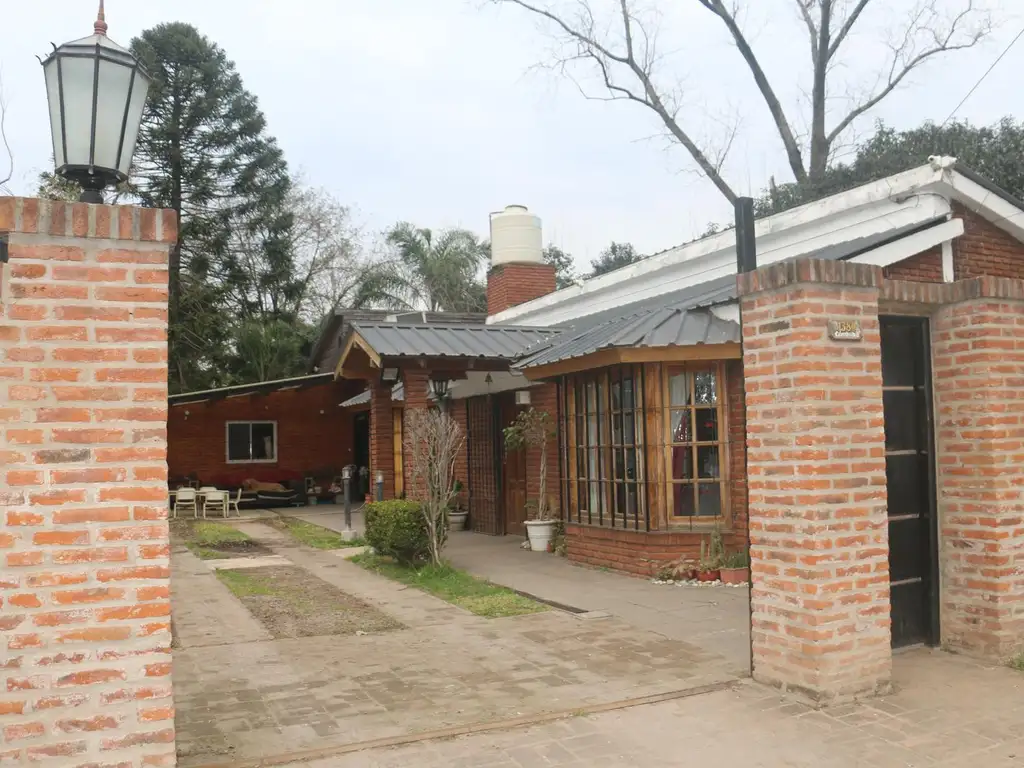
(389, 375)
(439, 388)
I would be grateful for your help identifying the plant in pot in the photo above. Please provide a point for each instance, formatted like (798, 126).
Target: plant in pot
(712, 553)
(534, 429)
(457, 514)
(736, 568)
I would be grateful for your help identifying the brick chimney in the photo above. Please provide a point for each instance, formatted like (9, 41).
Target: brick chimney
(518, 272)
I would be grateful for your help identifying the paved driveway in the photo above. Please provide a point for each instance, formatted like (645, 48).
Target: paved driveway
(240, 694)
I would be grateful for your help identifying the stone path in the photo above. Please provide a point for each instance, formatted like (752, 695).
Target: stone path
(713, 618)
(241, 695)
(947, 712)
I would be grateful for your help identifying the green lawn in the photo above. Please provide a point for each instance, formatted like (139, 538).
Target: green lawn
(243, 584)
(315, 536)
(457, 587)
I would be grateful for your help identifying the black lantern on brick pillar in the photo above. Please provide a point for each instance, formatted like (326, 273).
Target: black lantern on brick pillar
(97, 91)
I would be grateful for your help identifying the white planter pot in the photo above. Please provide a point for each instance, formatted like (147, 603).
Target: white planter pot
(540, 533)
(457, 520)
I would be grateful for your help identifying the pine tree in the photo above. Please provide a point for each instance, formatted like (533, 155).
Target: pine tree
(203, 150)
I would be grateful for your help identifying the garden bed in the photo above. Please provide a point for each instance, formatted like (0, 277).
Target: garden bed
(454, 586)
(311, 535)
(289, 602)
(216, 541)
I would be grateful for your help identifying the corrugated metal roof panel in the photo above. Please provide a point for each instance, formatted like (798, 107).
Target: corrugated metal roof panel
(659, 327)
(456, 340)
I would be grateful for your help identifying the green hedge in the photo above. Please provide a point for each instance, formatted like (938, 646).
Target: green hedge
(397, 528)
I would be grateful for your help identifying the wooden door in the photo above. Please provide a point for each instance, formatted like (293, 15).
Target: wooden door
(513, 470)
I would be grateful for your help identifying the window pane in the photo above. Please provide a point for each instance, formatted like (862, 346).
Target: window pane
(630, 437)
(710, 499)
(705, 388)
(631, 500)
(620, 500)
(681, 427)
(591, 397)
(627, 394)
(581, 462)
(630, 455)
(592, 430)
(679, 389)
(620, 463)
(617, 429)
(238, 442)
(682, 500)
(707, 425)
(616, 391)
(707, 461)
(263, 447)
(682, 463)
(595, 499)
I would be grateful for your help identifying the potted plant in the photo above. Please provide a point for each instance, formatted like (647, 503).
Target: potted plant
(533, 429)
(736, 569)
(456, 513)
(712, 553)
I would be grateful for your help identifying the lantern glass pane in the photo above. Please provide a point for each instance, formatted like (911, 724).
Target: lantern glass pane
(53, 96)
(110, 104)
(135, 108)
(77, 73)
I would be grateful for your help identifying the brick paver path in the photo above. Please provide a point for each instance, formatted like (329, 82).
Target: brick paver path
(241, 695)
(947, 712)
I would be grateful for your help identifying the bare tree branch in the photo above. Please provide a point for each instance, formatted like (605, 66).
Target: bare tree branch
(789, 142)
(844, 30)
(3, 138)
(905, 60)
(812, 27)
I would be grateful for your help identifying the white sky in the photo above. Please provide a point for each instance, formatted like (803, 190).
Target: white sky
(430, 110)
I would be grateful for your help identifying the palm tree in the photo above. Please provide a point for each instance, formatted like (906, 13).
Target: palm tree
(438, 272)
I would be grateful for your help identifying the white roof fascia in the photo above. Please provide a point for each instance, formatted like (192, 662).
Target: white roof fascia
(988, 204)
(911, 245)
(865, 221)
(812, 214)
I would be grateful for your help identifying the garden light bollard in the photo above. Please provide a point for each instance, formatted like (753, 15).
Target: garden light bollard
(380, 485)
(346, 477)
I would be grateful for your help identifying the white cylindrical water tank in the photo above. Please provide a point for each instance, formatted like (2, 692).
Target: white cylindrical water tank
(516, 236)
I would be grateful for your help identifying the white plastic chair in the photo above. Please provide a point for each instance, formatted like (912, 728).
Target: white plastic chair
(233, 503)
(215, 501)
(185, 501)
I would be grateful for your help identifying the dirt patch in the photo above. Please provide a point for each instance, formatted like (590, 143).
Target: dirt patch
(289, 602)
(210, 540)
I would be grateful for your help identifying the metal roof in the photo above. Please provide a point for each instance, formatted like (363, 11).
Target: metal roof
(237, 390)
(363, 398)
(660, 327)
(450, 340)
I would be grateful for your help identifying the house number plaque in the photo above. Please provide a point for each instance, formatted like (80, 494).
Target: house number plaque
(844, 330)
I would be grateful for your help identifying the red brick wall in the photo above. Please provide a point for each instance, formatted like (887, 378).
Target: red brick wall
(83, 402)
(816, 472)
(985, 249)
(979, 413)
(511, 284)
(313, 434)
(925, 267)
(382, 440)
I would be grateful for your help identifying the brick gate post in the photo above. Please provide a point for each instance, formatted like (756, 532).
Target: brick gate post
(85, 585)
(816, 477)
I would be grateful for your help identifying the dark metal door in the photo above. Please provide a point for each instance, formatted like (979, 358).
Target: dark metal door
(360, 484)
(910, 476)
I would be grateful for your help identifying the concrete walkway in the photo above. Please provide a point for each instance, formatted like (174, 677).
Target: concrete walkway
(712, 618)
(947, 712)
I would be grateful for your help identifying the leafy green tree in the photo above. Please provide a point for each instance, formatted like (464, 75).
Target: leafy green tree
(436, 271)
(203, 151)
(269, 350)
(992, 151)
(54, 187)
(565, 268)
(615, 256)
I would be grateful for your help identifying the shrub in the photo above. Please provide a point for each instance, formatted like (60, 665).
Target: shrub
(398, 529)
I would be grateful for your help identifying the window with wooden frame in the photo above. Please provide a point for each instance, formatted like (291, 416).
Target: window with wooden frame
(602, 442)
(696, 450)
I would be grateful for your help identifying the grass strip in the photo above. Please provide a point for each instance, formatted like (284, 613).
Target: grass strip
(454, 586)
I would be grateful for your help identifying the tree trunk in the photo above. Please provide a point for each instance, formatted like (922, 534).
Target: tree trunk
(819, 137)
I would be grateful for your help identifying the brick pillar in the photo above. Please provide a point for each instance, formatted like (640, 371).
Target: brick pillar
(417, 398)
(83, 409)
(979, 412)
(513, 283)
(382, 440)
(817, 490)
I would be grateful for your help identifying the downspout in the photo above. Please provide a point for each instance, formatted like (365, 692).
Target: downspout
(746, 261)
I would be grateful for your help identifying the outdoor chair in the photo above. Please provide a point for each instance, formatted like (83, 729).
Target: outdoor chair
(234, 502)
(185, 501)
(216, 501)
